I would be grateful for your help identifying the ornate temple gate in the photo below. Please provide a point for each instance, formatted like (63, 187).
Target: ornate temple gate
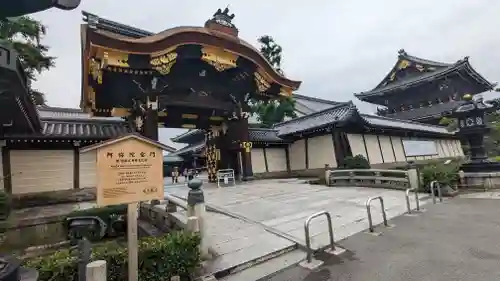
(185, 77)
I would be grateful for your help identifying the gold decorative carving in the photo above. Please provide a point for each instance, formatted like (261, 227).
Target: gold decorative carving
(91, 97)
(189, 116)
(120, 112)
(246, 145)
(116, 59)
(189, 126)
(164, 63)
(403, 64)
(95, 70)
(221, 60)
(162, 114)
(262, 84)
(393, 76)
(216, 118)
(285, 91)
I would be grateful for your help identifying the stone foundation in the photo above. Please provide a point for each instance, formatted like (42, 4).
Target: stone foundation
(49, 198)
(481, 181)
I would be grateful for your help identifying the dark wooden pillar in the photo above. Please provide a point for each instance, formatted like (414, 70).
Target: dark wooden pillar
(246, 150)
(212, 154)
(151, 119)
(7, 179)
(76, 164)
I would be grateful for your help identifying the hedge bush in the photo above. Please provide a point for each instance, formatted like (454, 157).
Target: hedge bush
(160, 258)
(356, 162)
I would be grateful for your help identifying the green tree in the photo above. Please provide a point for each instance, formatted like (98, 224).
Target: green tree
(24, 34)
(273, 111)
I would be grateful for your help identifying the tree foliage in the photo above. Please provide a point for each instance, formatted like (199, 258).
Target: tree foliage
(24, 34)
(271, 112)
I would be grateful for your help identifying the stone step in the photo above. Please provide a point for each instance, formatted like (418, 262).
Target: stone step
(267, 268)
(144, 228)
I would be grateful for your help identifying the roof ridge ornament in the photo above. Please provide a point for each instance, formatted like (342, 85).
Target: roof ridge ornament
(402, 52)
(222, 21)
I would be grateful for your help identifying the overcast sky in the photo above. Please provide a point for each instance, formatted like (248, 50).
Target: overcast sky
(335, 47)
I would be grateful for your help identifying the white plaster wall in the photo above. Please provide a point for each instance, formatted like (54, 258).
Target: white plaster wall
(41, 170)
(321, 151)
(459, 148)
(258, 160)
(276, 159)
(440, 148)
(386, 146)
(88, 174)
(398, 149)
(374, 153)
(297, 155)
(357, 145)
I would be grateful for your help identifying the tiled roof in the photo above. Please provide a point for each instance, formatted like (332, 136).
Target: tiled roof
(197, 147)
(379, 121)
(435, 110)
(323, 118)
(172, 158)
(440, 70)
(46, 112)
(84, 129)
(264, 135)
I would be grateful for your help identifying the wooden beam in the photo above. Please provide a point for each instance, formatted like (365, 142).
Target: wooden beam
(265, 159)
(306, 145)
(76, 168)
(7, 176)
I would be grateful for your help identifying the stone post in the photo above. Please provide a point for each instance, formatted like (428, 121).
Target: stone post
(96, 271)
(327, 174)
(413, 175)
(196, 208)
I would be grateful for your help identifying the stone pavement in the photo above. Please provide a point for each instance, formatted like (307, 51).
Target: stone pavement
(275, 211)
(454, 240)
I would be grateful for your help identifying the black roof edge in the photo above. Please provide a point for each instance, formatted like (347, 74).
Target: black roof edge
(340, 104)
(316, 99)
(115, 27)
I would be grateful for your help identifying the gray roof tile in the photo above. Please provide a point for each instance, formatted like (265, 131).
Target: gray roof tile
(319, 119)
(84, 129)
(264, 135)
(191, 148)
(379, 121)
(435, 110)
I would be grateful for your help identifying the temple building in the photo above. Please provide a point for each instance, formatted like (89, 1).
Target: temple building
(198, 78)
(423, 90)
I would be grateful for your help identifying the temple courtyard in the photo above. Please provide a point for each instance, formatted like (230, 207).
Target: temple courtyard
(256, 231)
(265, 220)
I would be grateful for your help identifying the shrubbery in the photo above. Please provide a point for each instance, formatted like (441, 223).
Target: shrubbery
(445, 174)
(356, 162)
(159, 259)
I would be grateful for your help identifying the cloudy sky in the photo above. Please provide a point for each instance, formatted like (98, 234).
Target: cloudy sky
(335, 47)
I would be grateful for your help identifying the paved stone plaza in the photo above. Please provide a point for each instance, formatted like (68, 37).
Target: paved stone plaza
(455, 240)
(281, 207)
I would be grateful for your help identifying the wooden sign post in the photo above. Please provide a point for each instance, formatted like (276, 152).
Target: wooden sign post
(129, 170)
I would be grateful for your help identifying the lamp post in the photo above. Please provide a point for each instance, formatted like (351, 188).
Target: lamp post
(472, 128)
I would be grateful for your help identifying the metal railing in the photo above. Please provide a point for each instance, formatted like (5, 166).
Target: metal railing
(225, 175)
(368, 211)
(433, 185)
(308, 238)
(407, 196)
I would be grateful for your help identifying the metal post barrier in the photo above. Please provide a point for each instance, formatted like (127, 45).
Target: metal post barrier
(308, 238)
(368, 211)
(433, 185)
(225, 175)
(407, 195)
